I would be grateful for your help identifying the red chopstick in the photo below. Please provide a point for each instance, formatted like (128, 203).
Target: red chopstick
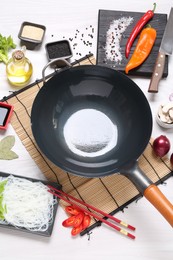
(60, 194)
(95, 209)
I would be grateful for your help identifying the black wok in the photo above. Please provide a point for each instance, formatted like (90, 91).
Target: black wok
(93, 121)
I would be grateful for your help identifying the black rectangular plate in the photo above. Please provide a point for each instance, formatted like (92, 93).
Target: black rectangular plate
(105, 18)
(48, 232)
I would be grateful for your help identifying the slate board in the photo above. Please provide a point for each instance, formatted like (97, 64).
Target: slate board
(105, 18)
(48, 232)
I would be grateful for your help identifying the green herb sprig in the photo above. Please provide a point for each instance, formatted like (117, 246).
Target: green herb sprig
(6, 43)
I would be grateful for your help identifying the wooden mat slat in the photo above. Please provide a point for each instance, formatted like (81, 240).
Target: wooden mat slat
(110, 193)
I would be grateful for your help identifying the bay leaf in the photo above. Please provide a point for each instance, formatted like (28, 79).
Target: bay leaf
(7, 142)
(5, 148)
(8, 155)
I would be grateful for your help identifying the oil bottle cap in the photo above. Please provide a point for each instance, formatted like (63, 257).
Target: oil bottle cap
(18, 55)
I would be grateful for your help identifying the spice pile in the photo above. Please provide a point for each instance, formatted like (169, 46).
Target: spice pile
(113, 38)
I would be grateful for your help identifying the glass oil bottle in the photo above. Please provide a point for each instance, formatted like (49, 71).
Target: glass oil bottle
(19, 68)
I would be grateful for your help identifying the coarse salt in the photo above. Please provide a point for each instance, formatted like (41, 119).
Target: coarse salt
(113, 38)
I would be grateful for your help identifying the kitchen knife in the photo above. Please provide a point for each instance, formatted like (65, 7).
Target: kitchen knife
(166, 48)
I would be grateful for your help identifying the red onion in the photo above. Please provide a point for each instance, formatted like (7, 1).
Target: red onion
(161, 145)
(171, 159)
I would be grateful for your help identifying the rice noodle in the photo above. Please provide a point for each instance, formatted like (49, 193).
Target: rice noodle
(29, 204)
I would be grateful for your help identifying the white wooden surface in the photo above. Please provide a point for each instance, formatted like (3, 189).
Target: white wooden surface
(154, 236)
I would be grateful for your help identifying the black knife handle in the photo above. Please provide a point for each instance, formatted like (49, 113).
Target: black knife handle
(157, 73)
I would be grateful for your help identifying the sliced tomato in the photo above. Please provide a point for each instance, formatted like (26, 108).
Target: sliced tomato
(76, 230)
(69, 222)
(72, 210)
(86, 221)
(78, 219)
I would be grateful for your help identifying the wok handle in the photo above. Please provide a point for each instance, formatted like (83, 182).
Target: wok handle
(160, 202)
(149, 190)
(55, 61)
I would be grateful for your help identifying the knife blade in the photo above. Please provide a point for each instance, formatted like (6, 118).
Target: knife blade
(166, 48)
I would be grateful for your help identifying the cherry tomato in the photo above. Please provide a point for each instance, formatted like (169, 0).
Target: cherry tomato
(72, 210)
(78, 219)
(76, 230)
(69, 222)
(86, 221)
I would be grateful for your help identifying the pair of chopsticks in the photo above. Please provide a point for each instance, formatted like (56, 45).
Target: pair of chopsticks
(72, 200)
(67, 198)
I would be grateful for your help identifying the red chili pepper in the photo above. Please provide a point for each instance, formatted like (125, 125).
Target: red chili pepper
(72, 210)
(69, 222)
(86, 221)
(78, 219)
(76, 230)
(138, 27)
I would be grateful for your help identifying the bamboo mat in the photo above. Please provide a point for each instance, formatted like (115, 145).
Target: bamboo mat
(111, 193)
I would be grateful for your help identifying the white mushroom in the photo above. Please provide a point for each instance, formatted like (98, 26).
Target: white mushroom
(171, 113)
(167, 107)
(165, 113)
(161, 115)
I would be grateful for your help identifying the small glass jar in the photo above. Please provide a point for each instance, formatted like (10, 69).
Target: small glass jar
(19, 68)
